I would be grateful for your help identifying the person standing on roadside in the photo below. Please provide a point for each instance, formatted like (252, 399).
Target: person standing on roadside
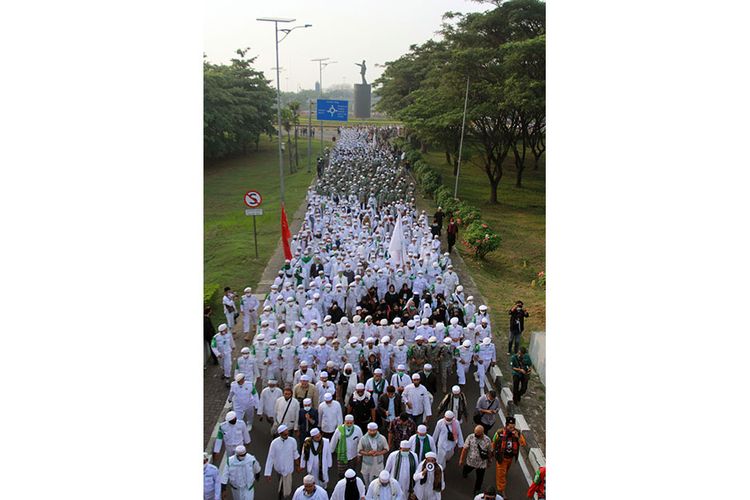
(517, 314)
(229, 307)
(520, 363)
(475, 456)
(452, 232)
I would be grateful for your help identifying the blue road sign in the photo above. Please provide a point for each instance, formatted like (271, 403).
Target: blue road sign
(331, 109)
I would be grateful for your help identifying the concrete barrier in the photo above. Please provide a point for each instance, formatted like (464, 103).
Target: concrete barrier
(537, 348)
(536, 458)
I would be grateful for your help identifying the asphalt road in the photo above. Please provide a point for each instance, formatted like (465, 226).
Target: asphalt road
(456, 487)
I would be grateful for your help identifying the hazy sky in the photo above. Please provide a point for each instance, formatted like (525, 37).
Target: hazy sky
(346, 31)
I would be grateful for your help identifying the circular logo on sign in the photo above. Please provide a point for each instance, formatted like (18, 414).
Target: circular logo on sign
(253, 199)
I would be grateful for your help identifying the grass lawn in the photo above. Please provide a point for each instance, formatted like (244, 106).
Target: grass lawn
(519, 217)
(229, 253)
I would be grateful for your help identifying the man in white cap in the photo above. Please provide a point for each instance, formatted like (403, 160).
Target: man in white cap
(268, 397)
(211, 481)
(322, 353)
(402, 464)
(417, 354)
(483, 330)
(450, 278)
(316, 457)
(309, 313)
(282, 458)
(384, 488)
(485, 358)
(246, 365)
(243, 396)
(445, 362)
(455, 402)
(349, 488)
(330, 415)
(421, 442)
(229, 307)
(463, 356)
(304, 369)
(232, 433)
(240, 474)
(458, 296)
(448, 435)
(304, 389)
(344, 443)
(222, 345)
(398, 355)
(286, 411)
(362, 406)
(249, 309)
(324, 385)
(372, 447)
(418, 400)
(483, 314)
(346, 383)
(305, 353)
(309, 490)
(429, 480)
(288, 363)
(386, 356)
(272, 360)
(375, 385)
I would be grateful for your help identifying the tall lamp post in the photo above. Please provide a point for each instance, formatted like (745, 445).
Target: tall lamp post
(461, 143)
(322, 64)
(276, 21)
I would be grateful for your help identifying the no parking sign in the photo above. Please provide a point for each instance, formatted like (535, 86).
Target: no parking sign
(253, 199)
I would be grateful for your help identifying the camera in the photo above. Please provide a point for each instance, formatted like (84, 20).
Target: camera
(430, 467)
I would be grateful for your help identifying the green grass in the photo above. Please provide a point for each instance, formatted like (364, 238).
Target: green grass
(519, 217)
(229, 253)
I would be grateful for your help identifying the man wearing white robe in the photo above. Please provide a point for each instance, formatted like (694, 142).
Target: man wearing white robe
(402, 464)
(329, 415)
(447, 446)
(242, 395)
(232, 433)
(286, 410)
(211, 481)
(421, 443)
(384, 488)
(417, 400)
(424, 479)
(350, 434)
(372, 448)
(282, 456)
(240, 474)
(268, 397)
(350, 478)
(316, 457)
(309, 490)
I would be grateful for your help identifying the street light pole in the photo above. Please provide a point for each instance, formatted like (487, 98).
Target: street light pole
(461, 142)
(309, 137)
(276, 21)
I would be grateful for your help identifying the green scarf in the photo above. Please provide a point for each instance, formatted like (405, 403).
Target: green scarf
(425, 448)
(344, 432)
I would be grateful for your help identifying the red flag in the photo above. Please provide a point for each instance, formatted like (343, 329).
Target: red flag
(286, 235)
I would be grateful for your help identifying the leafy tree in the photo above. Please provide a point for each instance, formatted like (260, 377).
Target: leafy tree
(238, 106)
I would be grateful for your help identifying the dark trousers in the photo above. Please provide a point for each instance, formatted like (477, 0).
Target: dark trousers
(211, 352)
(520, 382)
(451, 242)
(487, 427)
(514, 342)
(417, 418)
(479, 479)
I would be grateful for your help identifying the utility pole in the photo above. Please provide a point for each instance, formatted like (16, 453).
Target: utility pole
(309, 137)
(461, 142)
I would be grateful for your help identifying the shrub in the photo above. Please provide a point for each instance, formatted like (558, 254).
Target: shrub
(430, 182)
(413, 156)
(466, 214)
(480, 239)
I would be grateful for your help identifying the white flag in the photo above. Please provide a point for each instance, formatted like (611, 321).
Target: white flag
(397, 247)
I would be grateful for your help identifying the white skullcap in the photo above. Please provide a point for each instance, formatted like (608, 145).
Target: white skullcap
(349, 418)
(383, 322)
(308, 479)
(308, 302)
(467, 343)
(372, 426)
(315, 321)
(400, 367)
(324, 374)
(400, 342)
(272, 341)
(264, 322)
(248, 290)
(271, 381)
(352, 340)
(348, 365)
(470, 297)
(454, 321)
(483, 307)
(377, 371)
(322, 340)
(484, 320)
(282, 428)
(427, 366)
(471, 326)
(290, 299)
(385, 339)
(460, 288)
(384, 475)
(356, 318)
(222, 327)
(231, 416)
(404, 444)
(349, 473)
(316, 295)
(239, 376)
(455, 389)
(307, 401)
(304, 378)
(430, 454)
(314, 431)
(327, 396)
(329, 364)
(448, 414)
(240, 449)
(422, 429)
(416, 376)
(425, 321)
(432, 339)
(486, 340)
(304, 340)
(360, 386)
(410, 323)
(245, 350)
(327, 318)
(447, 340)
(267, 308)
(419, 337)
(303, 363)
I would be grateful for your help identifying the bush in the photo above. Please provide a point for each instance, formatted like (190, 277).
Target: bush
(466, 214)
(211, 294)
(430, 182)
(413, 156)
(480, 239)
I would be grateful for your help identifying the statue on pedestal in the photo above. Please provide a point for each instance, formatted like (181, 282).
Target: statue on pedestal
(362, 70)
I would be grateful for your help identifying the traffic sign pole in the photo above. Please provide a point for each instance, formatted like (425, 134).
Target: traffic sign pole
(255, 238)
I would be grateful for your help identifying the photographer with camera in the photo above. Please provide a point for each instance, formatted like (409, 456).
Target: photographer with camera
(517, 315)
(429, 481)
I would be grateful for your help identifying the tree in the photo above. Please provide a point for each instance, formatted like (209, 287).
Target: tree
(294, 108)
(237, 107)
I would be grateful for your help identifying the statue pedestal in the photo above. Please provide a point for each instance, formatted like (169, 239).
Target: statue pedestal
(362, 100)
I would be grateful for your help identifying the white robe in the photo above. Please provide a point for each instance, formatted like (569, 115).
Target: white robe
(378, 491)
(413, 445)
(312, 464)
(340, 489)
(281, 456)
(425, 491)
(445, 447)
(404, 475)
(318, 494)
(268, 397)
(240, 476)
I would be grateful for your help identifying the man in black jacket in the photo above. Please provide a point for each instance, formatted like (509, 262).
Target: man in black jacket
(428, 378)
(208, 333)
(517, 314)
(389, 407)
